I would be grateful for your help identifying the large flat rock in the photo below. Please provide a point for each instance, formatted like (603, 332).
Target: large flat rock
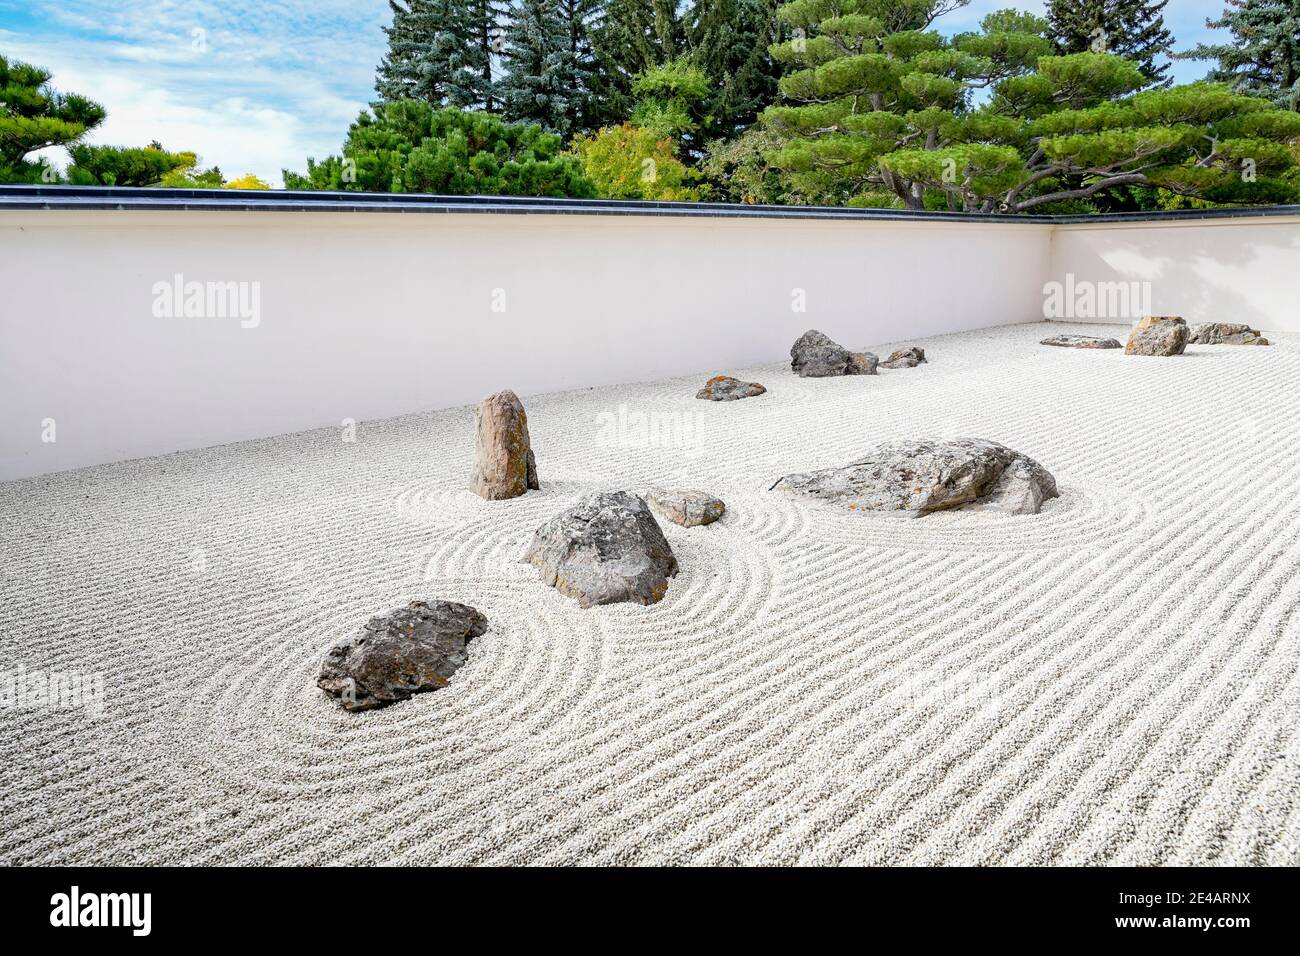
(394, 655)
(925, 476)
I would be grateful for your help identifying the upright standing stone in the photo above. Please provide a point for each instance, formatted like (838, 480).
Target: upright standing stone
(504, 466)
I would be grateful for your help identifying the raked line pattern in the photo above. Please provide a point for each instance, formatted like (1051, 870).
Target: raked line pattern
(1113, 681)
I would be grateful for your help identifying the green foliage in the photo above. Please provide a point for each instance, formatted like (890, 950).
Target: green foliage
(408, 146)
(440, 51)
(739, 170)
(729, 42)
(670, 99)
(725, 41)
(549, 64)
(190, 177)
(632, 162)
(124, 165)
(887, 114)
(1134, 29)
(632, 36)
(1264, 57)
(33, 116)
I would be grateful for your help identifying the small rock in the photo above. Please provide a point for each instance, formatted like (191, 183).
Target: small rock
(687, 508)
(904, 358)
(815, 355)
(504, 466)
(403, 652)
(1157, 335)
(925, 476)
(1225, 333)
(862, 363)
(607, 548)
(724, 388)
(1081, 342)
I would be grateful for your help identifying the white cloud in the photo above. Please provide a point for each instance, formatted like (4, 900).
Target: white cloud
(261, 88)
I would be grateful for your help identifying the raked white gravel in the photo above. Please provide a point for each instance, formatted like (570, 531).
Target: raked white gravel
(1113, 681)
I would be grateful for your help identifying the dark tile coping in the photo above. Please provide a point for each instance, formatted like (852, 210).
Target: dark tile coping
(283, 200)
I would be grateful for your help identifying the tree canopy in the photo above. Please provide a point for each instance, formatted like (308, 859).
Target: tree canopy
(409, 146)
(34, 116)
(1134, 29)
(632, 162)
(1263, 58)
(887, 115)
(125, 165)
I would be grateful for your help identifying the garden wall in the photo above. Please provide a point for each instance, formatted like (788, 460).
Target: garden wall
(368, 315)
(1240, 269)
(306, 318)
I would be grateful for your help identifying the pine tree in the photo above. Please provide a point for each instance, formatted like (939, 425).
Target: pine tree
(548, 64)
(632, 37)
(898, 126)
(1264, 58)
(581, 17)
(729, 40)
(1131, 28)
(440, 51)
(34, 116)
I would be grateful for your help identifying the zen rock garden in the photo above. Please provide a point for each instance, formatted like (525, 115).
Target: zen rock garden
(608, 547)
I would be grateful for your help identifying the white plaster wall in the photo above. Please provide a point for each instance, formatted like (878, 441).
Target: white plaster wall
(365, 316)
(1210, 270)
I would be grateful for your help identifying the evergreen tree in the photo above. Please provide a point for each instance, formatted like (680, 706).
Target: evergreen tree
(33, 116)
(549, 62)
(887, 117)
(633, 36)
(409, 146)
(729, 41)
(440, 51)
(125, 165)
(1264, 59)
(1131, 28)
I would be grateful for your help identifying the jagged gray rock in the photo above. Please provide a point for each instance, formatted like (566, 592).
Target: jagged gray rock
(394, 655)
(1157, 335)
(925, 476)
(607, 548)
(1225, 333)
(815, 355)
(504, 466)
(904, 358)
(1081, 342)
(687, 508)
(724, 388)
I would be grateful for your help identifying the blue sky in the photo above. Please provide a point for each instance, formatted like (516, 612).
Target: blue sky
(259, 85)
